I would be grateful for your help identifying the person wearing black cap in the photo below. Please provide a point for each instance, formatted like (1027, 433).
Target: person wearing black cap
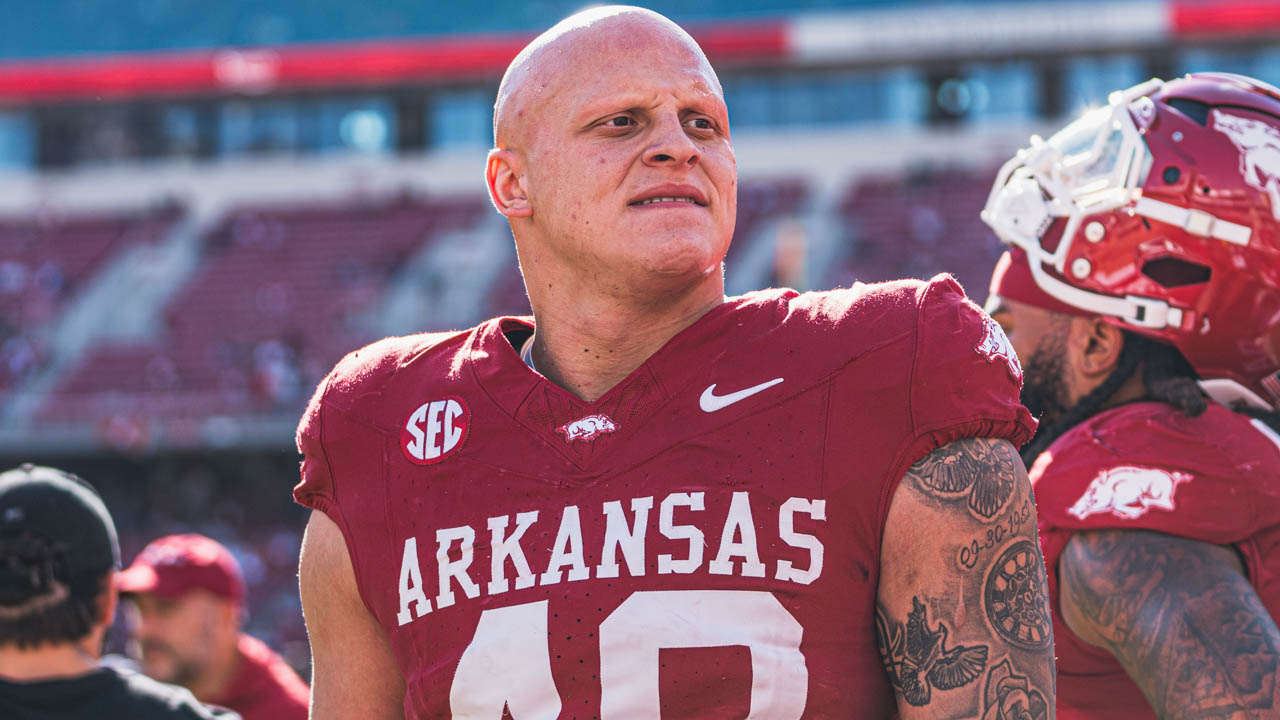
(58, 562)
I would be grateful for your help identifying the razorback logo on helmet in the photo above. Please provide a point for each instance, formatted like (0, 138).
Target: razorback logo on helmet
(1128, 492)
(1259, 146)
(587, 428)
(995, 345)
(436, 429)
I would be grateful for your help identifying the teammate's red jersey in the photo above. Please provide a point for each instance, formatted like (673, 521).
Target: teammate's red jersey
(264, 686)
(703, 541)
(1147, 466)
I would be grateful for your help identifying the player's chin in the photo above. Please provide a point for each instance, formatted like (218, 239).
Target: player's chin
(679, 254)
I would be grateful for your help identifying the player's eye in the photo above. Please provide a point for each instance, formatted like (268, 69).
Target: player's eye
(700, 123)
(620, 121)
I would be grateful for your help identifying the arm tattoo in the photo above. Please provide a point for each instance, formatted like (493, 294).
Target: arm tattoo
(1185, 625)
(1016, 598)
(980, 470)
(918, 659)
(1010, 696)
(962, 617)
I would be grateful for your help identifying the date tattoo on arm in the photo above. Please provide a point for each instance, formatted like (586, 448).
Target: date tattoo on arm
(1178, 615)
(962, 617)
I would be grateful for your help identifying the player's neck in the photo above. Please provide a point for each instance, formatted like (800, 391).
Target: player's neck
(47, 662)
(592, 343)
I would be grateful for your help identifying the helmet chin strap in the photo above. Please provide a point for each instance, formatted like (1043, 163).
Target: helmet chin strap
(1196, 222)
(1133, 309)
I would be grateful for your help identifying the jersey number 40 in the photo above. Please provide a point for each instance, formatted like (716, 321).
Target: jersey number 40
(508, 663)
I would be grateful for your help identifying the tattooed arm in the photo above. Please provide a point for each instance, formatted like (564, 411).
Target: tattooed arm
(962, 613)
(1180, 617)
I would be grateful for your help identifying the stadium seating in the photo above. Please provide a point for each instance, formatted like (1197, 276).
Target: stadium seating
(280, 294)
(45, 260)
(918, 224)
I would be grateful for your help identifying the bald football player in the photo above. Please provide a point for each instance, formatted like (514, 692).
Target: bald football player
(650, 500)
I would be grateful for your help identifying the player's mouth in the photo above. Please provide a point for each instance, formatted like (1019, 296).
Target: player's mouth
(670, 196)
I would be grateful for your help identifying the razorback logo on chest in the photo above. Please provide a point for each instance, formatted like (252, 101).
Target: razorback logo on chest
(588, 428)
(733, 535)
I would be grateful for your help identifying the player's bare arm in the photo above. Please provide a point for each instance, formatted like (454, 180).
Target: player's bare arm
(353, 673)
(962, 613)
(1180, 616)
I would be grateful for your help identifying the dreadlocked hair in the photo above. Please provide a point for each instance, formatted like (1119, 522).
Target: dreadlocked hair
(39, 601)
(1167, 377)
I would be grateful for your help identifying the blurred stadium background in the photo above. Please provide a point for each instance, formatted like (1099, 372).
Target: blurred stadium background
(204, 205)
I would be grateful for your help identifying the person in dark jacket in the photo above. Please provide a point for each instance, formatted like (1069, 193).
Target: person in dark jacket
(58, 563)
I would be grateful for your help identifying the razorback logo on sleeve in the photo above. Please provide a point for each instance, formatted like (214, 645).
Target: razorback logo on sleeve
(436, 429)
(1128, 492)
(994, 345)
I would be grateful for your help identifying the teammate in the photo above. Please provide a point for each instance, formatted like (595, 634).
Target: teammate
(1143, 293)
(663, 502)
(189, 595)
(58, 560)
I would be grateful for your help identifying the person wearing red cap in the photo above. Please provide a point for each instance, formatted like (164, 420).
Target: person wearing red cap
(1142, 291)
(189, 596)
(58, 564)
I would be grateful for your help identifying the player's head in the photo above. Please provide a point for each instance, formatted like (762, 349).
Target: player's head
(1157, 216)
(612, 107)
(58, 558)
(188, 593)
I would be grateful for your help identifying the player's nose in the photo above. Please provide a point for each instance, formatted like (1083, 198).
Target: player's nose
(670, 144)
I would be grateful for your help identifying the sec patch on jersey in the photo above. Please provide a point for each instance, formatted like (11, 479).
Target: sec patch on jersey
(434, 430)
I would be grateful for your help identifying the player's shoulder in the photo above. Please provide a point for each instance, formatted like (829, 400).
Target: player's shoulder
(373, 371)
(1152, 431)
(379, 362)
(950, 347)
(1148, 465)
(863, 315)
(895, 300)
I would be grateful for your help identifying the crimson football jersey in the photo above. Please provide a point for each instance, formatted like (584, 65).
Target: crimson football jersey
(263, 687)
(1148, 466)
(703, 541)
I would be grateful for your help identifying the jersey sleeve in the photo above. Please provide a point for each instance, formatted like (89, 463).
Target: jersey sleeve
(1148, 469)
(315, 490)
(965, 377)
(329, 432)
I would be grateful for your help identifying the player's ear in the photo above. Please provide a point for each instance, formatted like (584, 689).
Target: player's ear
(504, 175)
(1099, 343)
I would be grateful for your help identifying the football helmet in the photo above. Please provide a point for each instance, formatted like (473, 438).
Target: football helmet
(1161, 213)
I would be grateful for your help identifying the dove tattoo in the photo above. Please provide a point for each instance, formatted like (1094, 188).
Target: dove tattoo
(918, 660)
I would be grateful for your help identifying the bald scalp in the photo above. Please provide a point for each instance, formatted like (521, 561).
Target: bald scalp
(530, 78)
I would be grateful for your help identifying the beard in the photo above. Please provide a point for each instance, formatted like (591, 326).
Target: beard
(1043, 389)
(1044, 394)
(180, 671)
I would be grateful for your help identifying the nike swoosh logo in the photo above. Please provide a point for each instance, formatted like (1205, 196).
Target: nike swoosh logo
(711, 402)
